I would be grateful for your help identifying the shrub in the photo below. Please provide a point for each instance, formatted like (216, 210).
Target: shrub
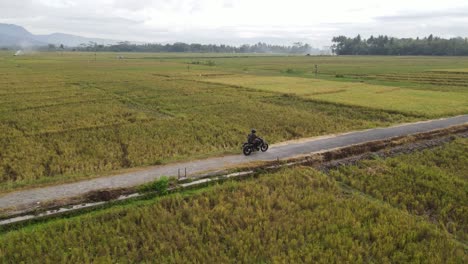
(160, 186)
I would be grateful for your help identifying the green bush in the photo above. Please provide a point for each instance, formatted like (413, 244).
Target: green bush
(160, 186)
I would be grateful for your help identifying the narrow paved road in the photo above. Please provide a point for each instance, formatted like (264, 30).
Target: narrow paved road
(281, 151)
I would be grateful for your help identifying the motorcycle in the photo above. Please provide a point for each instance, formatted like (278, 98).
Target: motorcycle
(248, 148)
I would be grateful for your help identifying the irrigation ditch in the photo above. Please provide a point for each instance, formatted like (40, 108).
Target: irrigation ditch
(323, 161)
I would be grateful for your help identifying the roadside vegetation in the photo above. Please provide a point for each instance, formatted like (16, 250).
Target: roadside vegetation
(396, 210)
(69, 116)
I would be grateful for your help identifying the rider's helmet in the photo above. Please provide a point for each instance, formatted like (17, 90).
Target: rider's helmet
(254, 131)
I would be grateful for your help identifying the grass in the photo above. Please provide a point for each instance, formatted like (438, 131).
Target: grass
(294, 215)
(67, 116)
(159, 186)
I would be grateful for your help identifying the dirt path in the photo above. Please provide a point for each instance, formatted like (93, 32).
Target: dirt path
(278, 151)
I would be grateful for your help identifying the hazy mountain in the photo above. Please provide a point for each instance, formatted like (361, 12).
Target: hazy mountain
(71, 40)
(13, 35)
(17, 36)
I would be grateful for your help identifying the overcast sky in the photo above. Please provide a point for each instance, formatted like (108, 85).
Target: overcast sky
(238, 21)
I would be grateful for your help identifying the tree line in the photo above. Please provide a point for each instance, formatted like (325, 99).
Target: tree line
(296, 48)
(385, 45)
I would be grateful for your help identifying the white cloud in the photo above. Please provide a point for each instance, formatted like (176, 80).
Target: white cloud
(237, 21)
(58, 3)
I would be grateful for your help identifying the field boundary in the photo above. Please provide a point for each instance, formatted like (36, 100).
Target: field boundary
(324, 161)
(40, 197)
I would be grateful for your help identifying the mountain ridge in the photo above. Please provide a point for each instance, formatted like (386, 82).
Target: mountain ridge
(12, 35)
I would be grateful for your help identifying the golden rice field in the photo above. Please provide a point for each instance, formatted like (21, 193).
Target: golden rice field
(70, 116)
(406, 209)
(418, 102)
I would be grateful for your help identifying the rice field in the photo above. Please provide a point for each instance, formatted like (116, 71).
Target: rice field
(71, 116)
(410, 208)
(417, 102)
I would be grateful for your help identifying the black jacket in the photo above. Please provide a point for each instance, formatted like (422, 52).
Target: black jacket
(251, 138)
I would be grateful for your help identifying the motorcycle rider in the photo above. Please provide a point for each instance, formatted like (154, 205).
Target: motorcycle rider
(254, 139)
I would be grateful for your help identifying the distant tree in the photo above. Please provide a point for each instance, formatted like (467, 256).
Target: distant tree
(384, 45)
(260, 47)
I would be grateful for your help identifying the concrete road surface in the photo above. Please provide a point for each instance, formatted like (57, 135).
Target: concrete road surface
(281, 151)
